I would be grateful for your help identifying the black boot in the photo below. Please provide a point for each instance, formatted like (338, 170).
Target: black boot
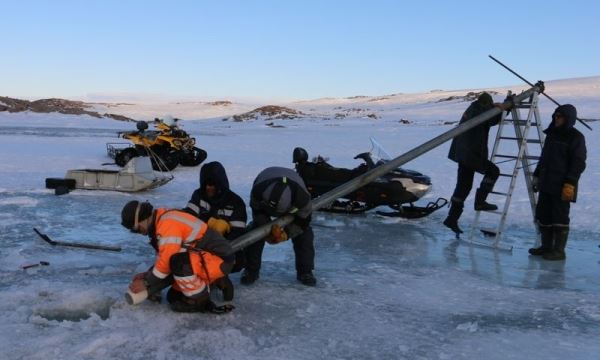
(547, 235)
(561, 234)
(451, 222)
(481, 204)
(226, 287)
(249, 277)
(307, 278)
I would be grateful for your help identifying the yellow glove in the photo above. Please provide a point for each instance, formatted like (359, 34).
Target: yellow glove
(568, 192)
(219, 225)
(277, 235)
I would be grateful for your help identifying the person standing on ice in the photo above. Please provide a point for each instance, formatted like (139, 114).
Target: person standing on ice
(556, 177)
(278, 191)
(190, 256)
(222, 209)
(470, 151)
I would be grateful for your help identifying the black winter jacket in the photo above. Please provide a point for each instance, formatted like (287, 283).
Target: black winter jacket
(226, 205)
(563, 156)
(296, 200)
(471, 148)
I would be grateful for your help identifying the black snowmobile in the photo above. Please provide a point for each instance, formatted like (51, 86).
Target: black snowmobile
(394, 189)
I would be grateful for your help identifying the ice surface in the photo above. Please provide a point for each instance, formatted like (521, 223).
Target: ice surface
(388, 288)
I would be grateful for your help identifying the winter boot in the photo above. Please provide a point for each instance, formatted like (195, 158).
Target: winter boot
(451, 222)
(481, 204)
(307, 279)
(249, 277)
(226, 287)
(181, 303)
(547, 235)
(561, 235)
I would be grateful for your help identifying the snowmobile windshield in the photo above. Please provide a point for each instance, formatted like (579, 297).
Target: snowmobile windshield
(378, 153)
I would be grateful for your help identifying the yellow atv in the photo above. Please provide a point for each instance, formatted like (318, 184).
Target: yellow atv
(167, 146)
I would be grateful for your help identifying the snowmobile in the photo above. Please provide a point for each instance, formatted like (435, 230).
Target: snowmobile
(168, 146)
(394, 189)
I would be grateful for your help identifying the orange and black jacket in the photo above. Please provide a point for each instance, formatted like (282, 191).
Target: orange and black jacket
(172, 231)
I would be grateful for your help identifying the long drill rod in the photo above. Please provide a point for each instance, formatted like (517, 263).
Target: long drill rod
(360, 181)
(530, 84)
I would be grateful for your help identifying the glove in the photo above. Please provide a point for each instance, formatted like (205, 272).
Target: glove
(219, 225)
(277, 235)
(535, 183)
(137, 284)
(568, 192)
(139, 276)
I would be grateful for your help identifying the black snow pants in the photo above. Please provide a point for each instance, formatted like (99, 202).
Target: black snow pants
(552, 211)
(303, 249)
(464, 180)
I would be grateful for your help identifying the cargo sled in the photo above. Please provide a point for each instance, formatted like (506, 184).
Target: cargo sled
(137, 175)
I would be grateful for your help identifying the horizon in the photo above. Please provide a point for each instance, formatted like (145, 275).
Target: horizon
(149, 98)
(287, 51)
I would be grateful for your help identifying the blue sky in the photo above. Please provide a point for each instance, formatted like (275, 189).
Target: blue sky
(288, 49)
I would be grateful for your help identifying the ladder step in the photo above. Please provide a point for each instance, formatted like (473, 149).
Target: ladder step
(520, 122)
(529, 141)
(506, 175)
(499, 193)
(516, 157)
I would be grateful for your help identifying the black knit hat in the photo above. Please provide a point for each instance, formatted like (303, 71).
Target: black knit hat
(144, 211)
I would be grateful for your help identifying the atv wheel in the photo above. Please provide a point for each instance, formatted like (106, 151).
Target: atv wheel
(54, 183)
(192, 158)
(170, 160)
(123, 156)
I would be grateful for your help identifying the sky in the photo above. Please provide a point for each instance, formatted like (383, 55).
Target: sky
(288, 49)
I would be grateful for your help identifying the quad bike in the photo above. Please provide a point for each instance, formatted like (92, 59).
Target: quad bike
(394, 189)
(168, 146)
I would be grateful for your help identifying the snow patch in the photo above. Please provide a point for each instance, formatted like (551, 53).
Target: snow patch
(19, 201)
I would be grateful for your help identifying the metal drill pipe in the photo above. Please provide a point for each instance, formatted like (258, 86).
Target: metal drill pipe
(362, 180)
(582, 121)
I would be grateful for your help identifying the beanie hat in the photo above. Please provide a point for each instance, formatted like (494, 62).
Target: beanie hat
(134, 209)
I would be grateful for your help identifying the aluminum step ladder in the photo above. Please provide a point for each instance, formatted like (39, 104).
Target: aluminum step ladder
(506, 161)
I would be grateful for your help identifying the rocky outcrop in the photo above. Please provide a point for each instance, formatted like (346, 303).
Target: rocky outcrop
(470, 96)
(269, 112)
(62, 106)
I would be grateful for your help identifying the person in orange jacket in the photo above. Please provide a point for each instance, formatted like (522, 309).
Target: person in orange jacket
(190, 257)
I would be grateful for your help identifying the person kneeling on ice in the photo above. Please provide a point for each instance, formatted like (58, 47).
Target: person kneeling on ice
(276, 192)
(470, 151)
(222, 209)
(556, 176)
(190, 258)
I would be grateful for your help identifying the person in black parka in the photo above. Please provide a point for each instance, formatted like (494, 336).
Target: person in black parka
(556, 178)
(217, 205)
(470, 151)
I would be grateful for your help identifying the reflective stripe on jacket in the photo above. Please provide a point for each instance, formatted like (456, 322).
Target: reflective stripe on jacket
(174, 228)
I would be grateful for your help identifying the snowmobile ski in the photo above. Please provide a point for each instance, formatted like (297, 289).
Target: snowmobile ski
(414, 212)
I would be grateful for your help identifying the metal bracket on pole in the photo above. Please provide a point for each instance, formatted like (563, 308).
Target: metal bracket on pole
(362, 180)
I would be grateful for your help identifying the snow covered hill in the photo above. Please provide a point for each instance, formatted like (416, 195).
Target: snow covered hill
(388, 288)
(432, 106)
